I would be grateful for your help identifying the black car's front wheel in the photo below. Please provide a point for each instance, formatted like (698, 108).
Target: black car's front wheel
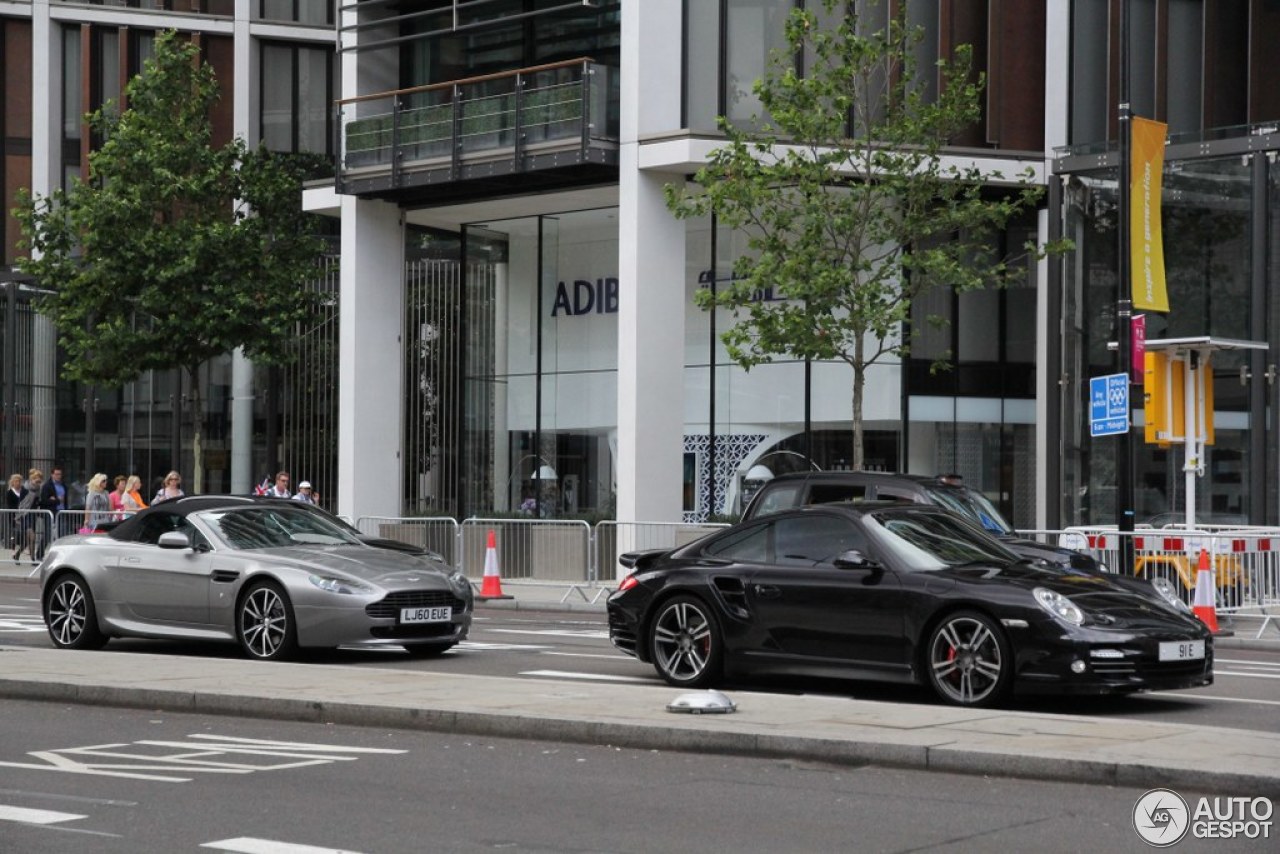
(264, 623)
(685, 643)
(70, 615)
(970, 663)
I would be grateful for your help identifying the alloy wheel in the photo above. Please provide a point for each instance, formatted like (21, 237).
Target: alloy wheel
(686, 643)
(266, 623)
(70, 616)
(968, 660)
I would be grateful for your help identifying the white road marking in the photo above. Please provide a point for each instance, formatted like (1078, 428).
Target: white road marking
(1234, 700)
(508, 647)
(617, 656)
(31, 816)
(249, 845)
(558, 633)
(198, 756)
(593, 677)
(1217, 672)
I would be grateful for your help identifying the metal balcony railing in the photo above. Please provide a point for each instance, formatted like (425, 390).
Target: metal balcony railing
(509, 117)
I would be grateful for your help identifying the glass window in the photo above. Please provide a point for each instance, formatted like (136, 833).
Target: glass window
(71, 95)
(815, 540)
(753, 29)
(750, 545)
(277, 97)
(297, 93)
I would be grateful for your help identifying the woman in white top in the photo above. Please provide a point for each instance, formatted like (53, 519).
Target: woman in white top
(172, 488)
(97, 505)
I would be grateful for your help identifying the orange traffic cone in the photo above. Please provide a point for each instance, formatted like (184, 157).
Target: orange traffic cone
(491, 587)
(1204, 602)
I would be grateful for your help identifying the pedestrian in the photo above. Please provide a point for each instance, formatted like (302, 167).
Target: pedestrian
(132, 499)
(117, 496)
(280, 489)
(171, 488)
(53, 494)
(97, 506)
(12, 500)
(305, 493)
(31, 522)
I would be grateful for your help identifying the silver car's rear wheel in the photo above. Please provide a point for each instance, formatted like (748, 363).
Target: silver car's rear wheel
(685, 643)
(70, 615)
(969, 660)
(264, 623)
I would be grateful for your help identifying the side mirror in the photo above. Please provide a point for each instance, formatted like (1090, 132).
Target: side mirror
(854, 559)
(174, 540)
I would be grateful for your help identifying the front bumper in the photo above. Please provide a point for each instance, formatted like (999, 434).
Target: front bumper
(1117, 664)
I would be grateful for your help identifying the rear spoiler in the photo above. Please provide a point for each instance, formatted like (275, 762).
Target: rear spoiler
(636, 561)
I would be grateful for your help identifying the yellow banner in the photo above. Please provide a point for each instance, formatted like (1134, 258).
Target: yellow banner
(1146, 246)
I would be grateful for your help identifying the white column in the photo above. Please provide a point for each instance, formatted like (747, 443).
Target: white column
(370, 358)
(244, 107)
(46, 176)
(651, 271)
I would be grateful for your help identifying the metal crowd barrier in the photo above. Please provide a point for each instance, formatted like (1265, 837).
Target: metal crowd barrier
(557, 551)
(1244, 560)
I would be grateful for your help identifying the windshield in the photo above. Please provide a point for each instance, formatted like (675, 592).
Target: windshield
(933, 540)
(275, 527)
(975, 505)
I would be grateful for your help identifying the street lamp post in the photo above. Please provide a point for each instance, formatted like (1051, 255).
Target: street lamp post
(1124, 300)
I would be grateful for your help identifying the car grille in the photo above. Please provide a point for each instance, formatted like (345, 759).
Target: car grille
(1149, 669)
(388, 608)
(414, 631)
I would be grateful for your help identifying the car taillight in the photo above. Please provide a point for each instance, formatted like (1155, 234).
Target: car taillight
(627, 583)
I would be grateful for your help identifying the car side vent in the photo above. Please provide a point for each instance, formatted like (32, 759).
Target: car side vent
(733, 593)
(224, 576)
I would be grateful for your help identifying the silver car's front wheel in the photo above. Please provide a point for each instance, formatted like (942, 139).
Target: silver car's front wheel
(685, 643)
(70, 615)
(969, 660)
(264, 623)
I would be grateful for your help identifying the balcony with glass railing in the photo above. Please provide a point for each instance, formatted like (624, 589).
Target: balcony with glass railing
(549, 121)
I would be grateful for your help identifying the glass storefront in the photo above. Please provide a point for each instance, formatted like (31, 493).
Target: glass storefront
(1210, 209)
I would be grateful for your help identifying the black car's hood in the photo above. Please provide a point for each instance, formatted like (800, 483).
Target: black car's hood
(1105, 598)
(1024, 547)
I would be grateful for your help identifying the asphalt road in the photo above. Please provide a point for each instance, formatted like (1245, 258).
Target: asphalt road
(134, 781)
(574, 645)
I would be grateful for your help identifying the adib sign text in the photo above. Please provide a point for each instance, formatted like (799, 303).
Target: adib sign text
(600, 296)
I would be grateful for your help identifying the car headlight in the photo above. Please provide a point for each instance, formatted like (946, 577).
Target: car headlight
(461, 586)
(329, 584)
(1059, 606)
(1169, 594)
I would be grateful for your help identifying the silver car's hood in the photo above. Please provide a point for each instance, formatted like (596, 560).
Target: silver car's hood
(363, 562)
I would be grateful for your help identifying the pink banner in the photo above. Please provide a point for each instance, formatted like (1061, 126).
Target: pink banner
(1137, 347)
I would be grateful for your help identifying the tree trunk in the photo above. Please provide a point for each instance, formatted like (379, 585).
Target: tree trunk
(197, 433)
(859, 385)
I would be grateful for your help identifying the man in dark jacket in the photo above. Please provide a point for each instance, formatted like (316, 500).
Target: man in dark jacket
(53, 495)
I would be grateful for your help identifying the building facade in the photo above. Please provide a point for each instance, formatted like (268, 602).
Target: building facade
(515, 328)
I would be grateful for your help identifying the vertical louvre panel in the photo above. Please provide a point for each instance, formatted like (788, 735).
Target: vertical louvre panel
(480, 345)
(309, 396)
(433, 291)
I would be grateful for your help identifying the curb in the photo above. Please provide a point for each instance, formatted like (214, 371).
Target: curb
(648, 736)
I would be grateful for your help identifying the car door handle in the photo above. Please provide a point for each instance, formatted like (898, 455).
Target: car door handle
(767, 591)
(131, 560)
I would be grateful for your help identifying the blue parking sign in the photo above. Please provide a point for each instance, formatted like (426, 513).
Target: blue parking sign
(1108, 405)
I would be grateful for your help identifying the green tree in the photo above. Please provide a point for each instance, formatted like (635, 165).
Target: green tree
(848, 203)
(173, 251)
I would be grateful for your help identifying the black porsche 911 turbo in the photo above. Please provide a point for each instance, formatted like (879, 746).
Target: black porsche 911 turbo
(900, 593)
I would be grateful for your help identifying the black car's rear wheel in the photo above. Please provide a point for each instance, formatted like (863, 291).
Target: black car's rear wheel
(969, 663)
(264, 623)
(70, 615)
(685, 643)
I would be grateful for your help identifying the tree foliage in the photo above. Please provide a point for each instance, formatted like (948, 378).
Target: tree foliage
(848, 201)
(173, 251)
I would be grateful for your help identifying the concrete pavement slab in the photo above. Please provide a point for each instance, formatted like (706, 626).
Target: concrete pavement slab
(813, 728)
